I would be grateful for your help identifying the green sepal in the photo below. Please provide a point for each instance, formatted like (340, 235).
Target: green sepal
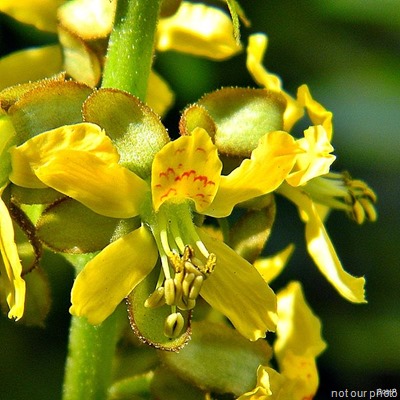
(12, 94)
(250, 233)
(7, 139)
(47, 106)
(219, 359)
(237, 13)
(29, 247)
(242, 117)
(21, 195)
(38, 298)
(167, 386)
(133, 388)
(134, 128)
(196, 116)
(67, 226)
(148, 323)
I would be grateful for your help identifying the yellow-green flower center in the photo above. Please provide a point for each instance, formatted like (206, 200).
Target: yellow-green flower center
(185, 262)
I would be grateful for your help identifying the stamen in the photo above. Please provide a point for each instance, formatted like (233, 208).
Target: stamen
(187, 282)
(156, 299)
(196, 287)
(173, 325)
(169, 291)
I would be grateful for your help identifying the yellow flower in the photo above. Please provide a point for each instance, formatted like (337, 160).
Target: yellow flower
(255, 53)
(319, 244)
(11, 281)
(185, 178)
(199, 30)
(298, 345)
(316, 159)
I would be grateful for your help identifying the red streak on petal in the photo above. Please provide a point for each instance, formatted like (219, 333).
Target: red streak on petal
(168, 193)
(167, 172)
(185, 174)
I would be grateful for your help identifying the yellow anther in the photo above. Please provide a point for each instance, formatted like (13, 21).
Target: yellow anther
(188, 253)
(196, 287)
(176, 262)
(369, 209)
(173, 325)
(191, 269)
(187, 283)
(156, 299)
(358, 212)
(169, 291)
(210, 264)
(185, 303)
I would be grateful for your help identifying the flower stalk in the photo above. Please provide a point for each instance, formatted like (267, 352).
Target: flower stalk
(130, 51)
(129, 58)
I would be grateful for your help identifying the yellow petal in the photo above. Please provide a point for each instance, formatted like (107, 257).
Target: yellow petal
(187, 168)
(7, 139)
(318, 114)
(160, 97)
(43, 63)
(44, 147)
(321, 248)
(316, 159)
(270, 267)
(107, 279)
(199, 30)
(236, 289)
(10, 267)
(262, 390)
(106, 188)
(81, 62)
(269, 165)
(298, 342)
(255, 53)
(40, 13)
(89, 19)
(298, 330)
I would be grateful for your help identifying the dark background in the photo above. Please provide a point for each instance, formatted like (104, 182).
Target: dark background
(347, 51)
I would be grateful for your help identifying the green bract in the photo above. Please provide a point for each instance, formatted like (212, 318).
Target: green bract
(242, 116)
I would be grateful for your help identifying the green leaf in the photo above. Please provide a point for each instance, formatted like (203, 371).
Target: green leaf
(242, 117)
(50, 104)
(219, 359)
(68, 226)
(148, 323)
(134, 128)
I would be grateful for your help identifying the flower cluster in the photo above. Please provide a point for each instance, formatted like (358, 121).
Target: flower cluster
(87, 170)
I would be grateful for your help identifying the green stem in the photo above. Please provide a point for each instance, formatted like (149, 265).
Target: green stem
(130, 50)
(90, 352)
(91, 348)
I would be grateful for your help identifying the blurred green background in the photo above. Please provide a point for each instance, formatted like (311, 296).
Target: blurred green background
(348, 52)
